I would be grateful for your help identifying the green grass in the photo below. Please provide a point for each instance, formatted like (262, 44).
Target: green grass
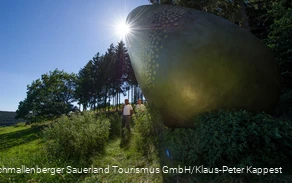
(143, 149)
(14, 136)
(30, 155)
(24, 146)
(123, 158)
(9, 129)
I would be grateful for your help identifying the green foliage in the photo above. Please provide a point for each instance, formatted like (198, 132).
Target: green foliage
(143, 127)
(115, 125)
(85, 84)
(234, 139)
(48, 97)
(235, 10)
(34, 153)
(284, 109)
(148, 125)
(279, 39)
(77, 137)
(104, 76)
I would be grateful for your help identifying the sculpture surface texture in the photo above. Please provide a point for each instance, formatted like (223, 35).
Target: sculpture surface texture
(188, 62)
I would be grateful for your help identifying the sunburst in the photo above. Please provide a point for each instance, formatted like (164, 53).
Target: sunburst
(122, 29)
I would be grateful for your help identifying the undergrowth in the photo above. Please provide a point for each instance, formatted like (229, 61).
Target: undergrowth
(77, 137)
(233, 138)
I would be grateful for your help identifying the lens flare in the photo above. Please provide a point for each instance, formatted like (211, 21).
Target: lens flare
(123, 29)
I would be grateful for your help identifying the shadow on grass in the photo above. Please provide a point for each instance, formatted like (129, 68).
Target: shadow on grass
(12, 139)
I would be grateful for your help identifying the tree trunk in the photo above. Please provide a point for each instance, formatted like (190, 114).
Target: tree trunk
(141, 94)
(129, 93)
(109, 105)
(94, 100)
(117, 103)
(132, 93)
(105, 98)
(244, 18)
(135, 93)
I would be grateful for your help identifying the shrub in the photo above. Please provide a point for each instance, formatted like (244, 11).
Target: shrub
(115, 125)
(284, 109)
(77, 137)
(148, 126)
(232, 138)
(242, 138)
(142, 130)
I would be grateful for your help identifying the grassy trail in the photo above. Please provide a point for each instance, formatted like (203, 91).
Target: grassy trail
(124, 160)
(23, 146)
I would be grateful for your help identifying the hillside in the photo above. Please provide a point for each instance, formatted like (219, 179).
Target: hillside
(89, 148)
(7, 118)
(21, 143)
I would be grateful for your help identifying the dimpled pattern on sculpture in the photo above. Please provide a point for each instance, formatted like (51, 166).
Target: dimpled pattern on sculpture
(163, 20)
(189, 62)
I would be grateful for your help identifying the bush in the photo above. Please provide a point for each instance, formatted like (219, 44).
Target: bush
(284, 109)
(77, 137)
(142, 138)
(148, 126)
(232, 138)
(115, 125)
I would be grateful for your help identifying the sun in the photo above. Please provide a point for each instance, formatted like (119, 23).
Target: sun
(122, 29)
(117, 25)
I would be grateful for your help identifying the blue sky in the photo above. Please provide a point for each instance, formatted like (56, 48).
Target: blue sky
(38, 36)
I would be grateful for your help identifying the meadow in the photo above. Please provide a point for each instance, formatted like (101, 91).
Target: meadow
(28, 147)
(88, 148)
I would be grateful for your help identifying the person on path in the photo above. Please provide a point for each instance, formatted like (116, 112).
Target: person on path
(127, 113)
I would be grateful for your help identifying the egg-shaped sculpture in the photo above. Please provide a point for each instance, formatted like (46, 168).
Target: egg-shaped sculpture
(188, 62)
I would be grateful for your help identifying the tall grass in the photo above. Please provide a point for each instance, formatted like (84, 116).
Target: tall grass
(32, 155)
(77, 137)
(69, 141)
(123, 158)
(145, 136)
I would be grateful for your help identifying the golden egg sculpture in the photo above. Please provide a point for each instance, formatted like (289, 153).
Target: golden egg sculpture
(188, 62)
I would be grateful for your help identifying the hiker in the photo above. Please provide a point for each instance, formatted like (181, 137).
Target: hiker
(127, 113)
(140, 107)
